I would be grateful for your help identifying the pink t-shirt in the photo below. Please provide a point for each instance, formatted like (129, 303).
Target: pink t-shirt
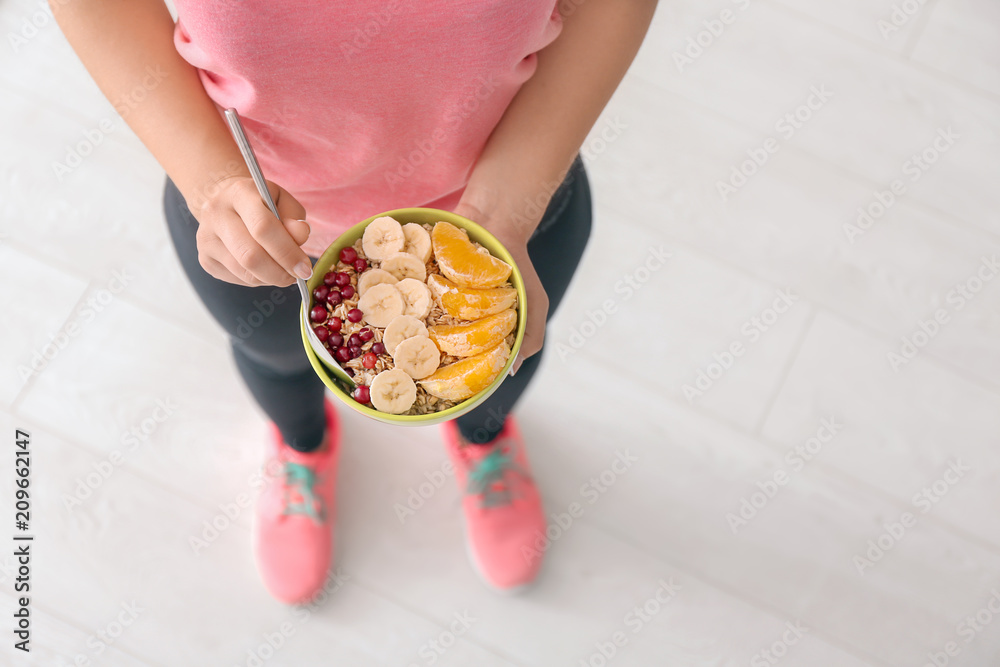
(360, 107)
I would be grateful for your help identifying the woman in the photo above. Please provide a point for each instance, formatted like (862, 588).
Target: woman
(355, 108)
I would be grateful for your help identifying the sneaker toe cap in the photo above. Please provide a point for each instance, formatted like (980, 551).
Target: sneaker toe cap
(294, 580)
(510, 557)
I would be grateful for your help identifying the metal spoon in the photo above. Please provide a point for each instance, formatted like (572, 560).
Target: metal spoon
(236, 127)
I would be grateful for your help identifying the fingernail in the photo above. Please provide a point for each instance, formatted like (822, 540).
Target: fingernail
(517, 364)
(303, 270)
(306, 224)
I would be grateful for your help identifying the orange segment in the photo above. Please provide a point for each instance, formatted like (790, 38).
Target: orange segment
(469, 303)
(466, 378)
(466, 340)
(438, 285)
(462, 263)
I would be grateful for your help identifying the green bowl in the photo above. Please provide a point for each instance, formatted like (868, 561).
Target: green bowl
(418, 215)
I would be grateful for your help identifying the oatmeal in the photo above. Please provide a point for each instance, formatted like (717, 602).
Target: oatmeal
(421, 317)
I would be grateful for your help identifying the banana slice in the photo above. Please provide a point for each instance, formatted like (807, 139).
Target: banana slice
(416, 297)
(381, 304)
(401, 328)
(417, 356)
(373, 277)
(393, 391)
(404, 265)
(383, 237)
(418, 241)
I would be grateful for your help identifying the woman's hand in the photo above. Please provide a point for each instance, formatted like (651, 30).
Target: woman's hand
(537, 303)
(532, 147)
(241, 242)
(515, 239)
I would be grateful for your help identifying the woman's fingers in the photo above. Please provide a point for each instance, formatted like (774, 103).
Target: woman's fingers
(241, 241)
(537, 312)
(292, 214)
(248, 253)
(214, 257)
(534, 334)
(288, 206)
(268, 249)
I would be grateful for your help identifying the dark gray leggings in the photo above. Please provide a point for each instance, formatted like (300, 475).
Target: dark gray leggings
(263, 322)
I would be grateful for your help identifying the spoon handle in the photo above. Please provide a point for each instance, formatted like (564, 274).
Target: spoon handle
(250, 158)
(236, 127)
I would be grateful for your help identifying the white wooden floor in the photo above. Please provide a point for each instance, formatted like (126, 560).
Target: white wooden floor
(775, 500)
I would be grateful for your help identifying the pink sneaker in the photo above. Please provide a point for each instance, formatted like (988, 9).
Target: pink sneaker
(293, 522)
(503, 509)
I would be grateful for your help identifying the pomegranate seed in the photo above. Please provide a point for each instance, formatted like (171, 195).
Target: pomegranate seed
(335, 340)
(355, 351)
(322, 333)
(335, 324)
(349, 371)
(318, 314)
(348, 255)
(355, 314)
(330, 279)
(342, 355)
(334, 297)
(360, 265)
(378, 348)
(347, 291)
(362, 394)
(320, 293)
(368, 361)
(366, 334)
(342, 278)
(355, 339)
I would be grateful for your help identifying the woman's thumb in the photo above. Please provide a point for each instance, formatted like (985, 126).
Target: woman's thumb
(299, 230)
